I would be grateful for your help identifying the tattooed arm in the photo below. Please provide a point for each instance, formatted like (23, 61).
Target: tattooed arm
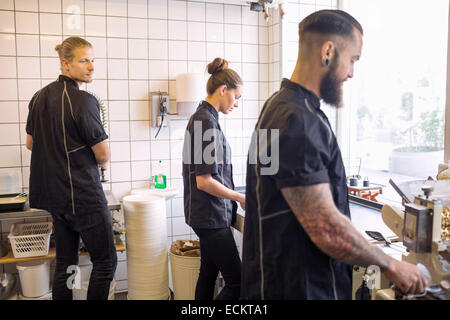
(334, 234)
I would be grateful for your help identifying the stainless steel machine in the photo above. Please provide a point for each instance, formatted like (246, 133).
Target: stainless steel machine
(421, 224)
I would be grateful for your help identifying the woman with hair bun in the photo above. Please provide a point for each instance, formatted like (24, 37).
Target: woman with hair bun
(209, 196)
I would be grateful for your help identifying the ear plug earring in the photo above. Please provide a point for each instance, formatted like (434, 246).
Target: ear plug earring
(327, 62)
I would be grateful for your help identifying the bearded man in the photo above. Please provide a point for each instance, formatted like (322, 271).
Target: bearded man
(299, 242)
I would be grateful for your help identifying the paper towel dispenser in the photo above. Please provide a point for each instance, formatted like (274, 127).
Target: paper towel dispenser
(190, 90)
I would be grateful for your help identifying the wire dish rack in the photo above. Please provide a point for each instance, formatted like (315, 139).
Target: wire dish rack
(30, 239)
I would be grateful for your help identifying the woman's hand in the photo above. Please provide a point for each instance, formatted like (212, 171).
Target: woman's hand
(242, 201)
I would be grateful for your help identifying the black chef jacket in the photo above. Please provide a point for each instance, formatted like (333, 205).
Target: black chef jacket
(201, 209)
(279, 259)
(65, 123)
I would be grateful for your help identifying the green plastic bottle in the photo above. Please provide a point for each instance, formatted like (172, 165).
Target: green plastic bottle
(160, 179)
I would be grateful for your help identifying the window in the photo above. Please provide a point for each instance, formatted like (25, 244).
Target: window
(393, 120)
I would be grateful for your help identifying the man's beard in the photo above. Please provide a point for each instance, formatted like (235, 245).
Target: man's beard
(331, 86)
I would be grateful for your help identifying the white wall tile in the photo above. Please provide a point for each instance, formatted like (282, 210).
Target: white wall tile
(99, 88)
(157, 9)
(97, 7)
(176, 168)
(7, 5)
(179, 226)
(7, 21)
(140, 170)
(28, 67)
(117, 48)
(137, 28)
(138, 89)
(158, 70)
(73, 24)
(196, 31)
(116, 27)
(250, 72)
(27, 22)
(176, 149)
(157, 49)
(139, 110)
(233, 52)
(138, 69)
(9, 156)
(8, 68)
(50, 6)
(233, 33)
(50, 23)
(250, 53)
(177, 30)
(250, 17)
(27, 45)
(233, 14)
(195, 11)
(120, 190)
(26, 5)
(214, 32)
(177, 67)
(160, 150)
(9, 134)
(120, 171)
(177, 10)
(116, 8)
(7, 44)
(118, 110)
(99, 45)
(177, 50)
(95, 26)
(9, 89)
(137, 49)
(73, 6)
(9, 111)
(119, 131)
(118, 69)
(27, 88)
(100, 69)
(140, 150)
(50, 68)
(137, 8)
(250, 34)
(214, 50)
(196, 51)
(118, 89)
(139, 130)
(157, 29)
(214, 12)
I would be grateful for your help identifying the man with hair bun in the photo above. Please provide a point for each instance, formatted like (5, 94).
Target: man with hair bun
(209, 196)
(299, 242)
(68, 143)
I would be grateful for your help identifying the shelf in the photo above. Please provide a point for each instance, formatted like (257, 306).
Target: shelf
(9, 258)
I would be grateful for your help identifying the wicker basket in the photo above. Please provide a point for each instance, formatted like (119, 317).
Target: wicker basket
(30, 239)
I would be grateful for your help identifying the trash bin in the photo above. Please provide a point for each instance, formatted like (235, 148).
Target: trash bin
(185, 267)
(34, 277)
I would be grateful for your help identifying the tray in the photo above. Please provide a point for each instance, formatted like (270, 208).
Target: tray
(16, 205)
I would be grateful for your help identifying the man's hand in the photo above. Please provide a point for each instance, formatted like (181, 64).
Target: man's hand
(334, 234)
(406, 276)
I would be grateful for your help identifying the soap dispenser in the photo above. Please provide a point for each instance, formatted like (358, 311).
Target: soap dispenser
(160, 178)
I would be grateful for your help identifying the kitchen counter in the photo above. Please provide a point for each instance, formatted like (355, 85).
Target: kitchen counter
(113, 204)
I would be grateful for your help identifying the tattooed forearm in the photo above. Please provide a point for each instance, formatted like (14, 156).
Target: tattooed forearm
(330, 230)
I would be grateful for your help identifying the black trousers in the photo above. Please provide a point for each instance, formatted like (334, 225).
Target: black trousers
(218, 253)
(96, 232)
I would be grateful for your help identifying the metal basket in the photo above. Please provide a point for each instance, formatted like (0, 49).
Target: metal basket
(30, 239)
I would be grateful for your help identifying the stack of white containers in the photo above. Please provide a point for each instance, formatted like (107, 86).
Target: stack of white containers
(146, 246)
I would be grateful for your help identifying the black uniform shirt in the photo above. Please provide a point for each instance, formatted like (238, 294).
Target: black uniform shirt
(279, 259)
(65, 123)
(206, 150)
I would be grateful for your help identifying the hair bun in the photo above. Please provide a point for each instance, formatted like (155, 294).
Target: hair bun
(217, 65)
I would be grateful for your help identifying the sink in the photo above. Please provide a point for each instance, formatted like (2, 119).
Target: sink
(168, 193)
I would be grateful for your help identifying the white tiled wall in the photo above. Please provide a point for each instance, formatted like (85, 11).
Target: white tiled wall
(140, 46)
